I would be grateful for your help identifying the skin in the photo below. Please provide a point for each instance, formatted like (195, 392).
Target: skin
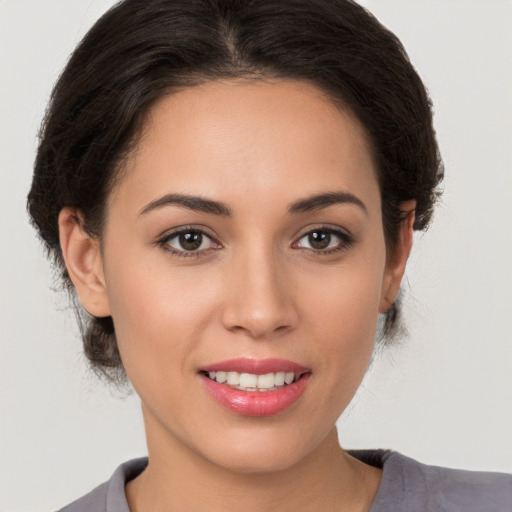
(258, 290)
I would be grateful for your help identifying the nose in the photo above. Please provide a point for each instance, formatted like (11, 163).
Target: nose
(259, 299)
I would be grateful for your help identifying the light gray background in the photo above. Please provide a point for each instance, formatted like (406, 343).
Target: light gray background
(443, 397)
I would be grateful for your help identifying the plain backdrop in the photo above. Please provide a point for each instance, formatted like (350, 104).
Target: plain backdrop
(444, 396)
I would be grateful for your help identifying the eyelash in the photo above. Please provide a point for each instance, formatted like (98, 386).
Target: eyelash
(345, 241)
(182, 253)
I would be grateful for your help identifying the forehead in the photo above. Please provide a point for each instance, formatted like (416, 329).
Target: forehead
(272, 140)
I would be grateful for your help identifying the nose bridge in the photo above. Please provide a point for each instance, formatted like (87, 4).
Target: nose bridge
(258, 297)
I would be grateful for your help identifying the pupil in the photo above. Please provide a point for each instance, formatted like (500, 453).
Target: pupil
(319, 239)
(191, 240)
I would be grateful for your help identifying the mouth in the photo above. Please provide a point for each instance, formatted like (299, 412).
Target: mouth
(252, 382)
(253, 387)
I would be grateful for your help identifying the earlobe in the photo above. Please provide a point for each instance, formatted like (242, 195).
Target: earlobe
(396, 262)
(83, 260)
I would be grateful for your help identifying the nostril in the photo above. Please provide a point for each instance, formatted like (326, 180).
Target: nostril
(258, 311)
(259, 330)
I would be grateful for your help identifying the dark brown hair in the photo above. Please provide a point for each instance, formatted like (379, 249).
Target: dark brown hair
(141, 50)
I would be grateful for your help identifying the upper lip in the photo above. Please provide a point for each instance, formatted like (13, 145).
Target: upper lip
(256, 366)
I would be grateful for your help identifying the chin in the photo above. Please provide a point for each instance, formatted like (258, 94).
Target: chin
(261, 453)
(257, 462)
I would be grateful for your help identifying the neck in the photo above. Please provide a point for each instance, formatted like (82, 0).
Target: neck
(179, 479)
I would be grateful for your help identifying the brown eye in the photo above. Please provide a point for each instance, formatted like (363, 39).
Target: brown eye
(323, 240)
(319, 239)
(189, 241)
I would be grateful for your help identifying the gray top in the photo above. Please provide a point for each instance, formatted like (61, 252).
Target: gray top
(407, 486)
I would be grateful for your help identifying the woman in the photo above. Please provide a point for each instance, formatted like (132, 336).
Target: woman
(231, 190)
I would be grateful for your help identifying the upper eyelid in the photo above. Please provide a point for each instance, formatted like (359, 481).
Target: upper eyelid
(346, 239)
(323, 227)
(172, 232)
(163, 242)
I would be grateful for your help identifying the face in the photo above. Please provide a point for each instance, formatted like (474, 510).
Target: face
(246, 238)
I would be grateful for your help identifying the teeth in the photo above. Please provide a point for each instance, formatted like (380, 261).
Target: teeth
(288, 378)
(252, 382)
(280, 378)
(267, 381)
(248, 380)
(233, 379)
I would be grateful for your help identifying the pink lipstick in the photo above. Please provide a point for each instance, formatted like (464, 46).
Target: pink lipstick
(255, 387)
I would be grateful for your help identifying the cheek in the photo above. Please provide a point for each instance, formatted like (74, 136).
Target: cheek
(342, 312)
(345, 299)
(159, 313)
(346, 334)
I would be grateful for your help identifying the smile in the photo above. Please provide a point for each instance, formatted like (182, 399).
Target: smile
(255, 387)
(253, 382)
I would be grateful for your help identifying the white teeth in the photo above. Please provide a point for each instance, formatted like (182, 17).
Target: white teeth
(280, 378)
(253, 382)
(219, 376)
(233, 378)
(248, 380)
(266, 381)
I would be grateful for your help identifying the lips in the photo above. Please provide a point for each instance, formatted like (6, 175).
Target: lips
(253, 387)
(254, 382)
(257, 366)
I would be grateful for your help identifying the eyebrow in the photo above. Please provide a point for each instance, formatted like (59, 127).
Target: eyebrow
(196, 203)
(200, 204)
(320, 201)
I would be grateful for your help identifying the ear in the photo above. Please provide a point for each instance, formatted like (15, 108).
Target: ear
(396, 261)
(82, 256)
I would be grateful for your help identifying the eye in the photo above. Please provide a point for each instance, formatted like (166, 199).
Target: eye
(323, 239)
(188, 241)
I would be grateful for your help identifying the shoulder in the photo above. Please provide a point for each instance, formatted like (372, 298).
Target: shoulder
(93, 501)
(434, 488)
(408, 485)
(455, 489)
(109, 496)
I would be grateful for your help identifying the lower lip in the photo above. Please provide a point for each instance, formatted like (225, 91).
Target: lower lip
(256, 403)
